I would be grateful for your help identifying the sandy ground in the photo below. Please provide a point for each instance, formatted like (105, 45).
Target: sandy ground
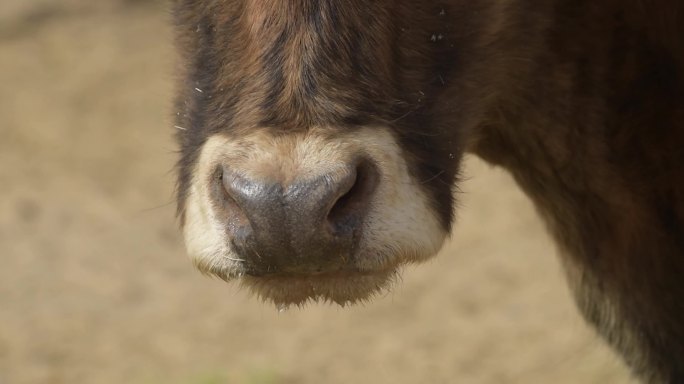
(95, 286)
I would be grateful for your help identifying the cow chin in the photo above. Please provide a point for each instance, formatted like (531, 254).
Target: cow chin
(343, 288)
(398, 224)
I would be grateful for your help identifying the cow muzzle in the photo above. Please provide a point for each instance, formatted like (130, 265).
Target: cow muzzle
(318, 215)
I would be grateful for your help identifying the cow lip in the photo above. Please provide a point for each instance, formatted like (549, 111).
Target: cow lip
(323, 275)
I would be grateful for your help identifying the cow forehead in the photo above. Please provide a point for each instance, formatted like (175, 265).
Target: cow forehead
(305, 63)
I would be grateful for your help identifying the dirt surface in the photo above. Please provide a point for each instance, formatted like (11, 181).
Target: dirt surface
(95, 286)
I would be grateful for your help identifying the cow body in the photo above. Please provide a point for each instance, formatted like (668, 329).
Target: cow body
(321, 142)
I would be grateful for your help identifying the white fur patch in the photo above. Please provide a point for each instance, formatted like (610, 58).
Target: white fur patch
(400, 227)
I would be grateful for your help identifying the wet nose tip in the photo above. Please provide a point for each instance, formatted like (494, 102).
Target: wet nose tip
(304, 225)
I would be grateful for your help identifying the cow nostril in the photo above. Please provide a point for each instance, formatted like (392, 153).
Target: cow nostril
(350, 208)
(231, 212)
(227, 189)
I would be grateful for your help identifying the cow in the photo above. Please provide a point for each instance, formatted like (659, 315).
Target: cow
(321, 142)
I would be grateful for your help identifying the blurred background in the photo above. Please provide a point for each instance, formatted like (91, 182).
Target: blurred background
(95, 286)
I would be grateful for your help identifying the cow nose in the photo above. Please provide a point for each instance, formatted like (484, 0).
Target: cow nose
(306, 226)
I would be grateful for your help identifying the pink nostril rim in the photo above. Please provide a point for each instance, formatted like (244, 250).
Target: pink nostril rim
(353, 202)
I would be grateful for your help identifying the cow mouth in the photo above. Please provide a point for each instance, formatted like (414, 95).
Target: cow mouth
(339, 274)
(342, 287)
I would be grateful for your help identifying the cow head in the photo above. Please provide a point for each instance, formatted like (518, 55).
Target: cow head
(320, 139)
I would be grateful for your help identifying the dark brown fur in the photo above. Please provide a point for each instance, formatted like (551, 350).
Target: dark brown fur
(582, 101)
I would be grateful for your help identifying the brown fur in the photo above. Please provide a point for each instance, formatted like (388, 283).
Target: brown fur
(582, 101)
